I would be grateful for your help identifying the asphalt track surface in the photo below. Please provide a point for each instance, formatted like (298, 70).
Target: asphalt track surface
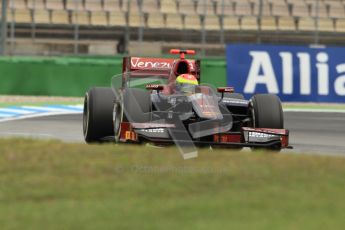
(310, 132)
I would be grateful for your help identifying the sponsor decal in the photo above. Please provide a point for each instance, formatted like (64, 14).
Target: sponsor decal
(155, 87)
(150, 63)
(152, 125)
(266, 130)
(237, 101)
(156, 63)
(262, 135)
(157, 130)
(294, 73)
(259, 137)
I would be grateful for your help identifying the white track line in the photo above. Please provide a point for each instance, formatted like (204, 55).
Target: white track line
(16, 111)
(76, 106)
(39, 115)
(315, 110)
(47, 109)
(5, 115)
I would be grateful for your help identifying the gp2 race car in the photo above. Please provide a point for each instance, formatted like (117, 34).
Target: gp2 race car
(143, 105)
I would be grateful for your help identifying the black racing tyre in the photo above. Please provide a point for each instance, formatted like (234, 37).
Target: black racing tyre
(137, 105)
(98, 114)
(234, 95)
(267, 111)
(117, 119)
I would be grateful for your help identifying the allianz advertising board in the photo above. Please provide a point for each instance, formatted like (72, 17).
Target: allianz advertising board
(294, 73)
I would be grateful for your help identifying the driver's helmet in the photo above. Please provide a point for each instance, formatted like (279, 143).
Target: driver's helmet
(185, 83)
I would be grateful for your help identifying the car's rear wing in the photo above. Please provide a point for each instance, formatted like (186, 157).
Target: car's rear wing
(158, 66)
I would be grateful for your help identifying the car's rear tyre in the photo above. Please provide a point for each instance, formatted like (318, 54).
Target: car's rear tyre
(267, 112)
(117, 119)
(98, 114)
(137, 105)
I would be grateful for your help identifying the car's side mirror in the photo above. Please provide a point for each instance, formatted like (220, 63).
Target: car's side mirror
(225, 89)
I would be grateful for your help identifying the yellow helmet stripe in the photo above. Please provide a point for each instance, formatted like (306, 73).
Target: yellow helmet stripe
(183, 80)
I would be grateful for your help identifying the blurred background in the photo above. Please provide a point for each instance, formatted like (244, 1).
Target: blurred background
(47, 45)
(152, 27)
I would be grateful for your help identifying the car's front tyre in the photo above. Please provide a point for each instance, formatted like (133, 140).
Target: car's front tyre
(266, 112)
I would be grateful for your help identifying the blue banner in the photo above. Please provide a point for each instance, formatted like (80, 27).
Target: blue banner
(294, 73)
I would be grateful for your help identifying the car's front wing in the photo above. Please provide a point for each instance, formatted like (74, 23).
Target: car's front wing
(247, 137)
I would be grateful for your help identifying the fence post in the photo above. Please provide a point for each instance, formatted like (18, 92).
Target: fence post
(76, 28)
(203, 32)
(316, 35)
(33, 24)
(3, 28)
(259, 22)
(12, 28)
(141, 27)
(222, 40)
(127, 29)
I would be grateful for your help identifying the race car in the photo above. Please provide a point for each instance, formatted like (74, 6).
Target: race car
(148, 103)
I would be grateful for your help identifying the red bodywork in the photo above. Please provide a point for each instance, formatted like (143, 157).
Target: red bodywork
(159, 66)
(226, 89)
(165, 67)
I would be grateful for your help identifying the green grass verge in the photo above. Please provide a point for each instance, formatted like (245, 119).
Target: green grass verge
(54, 185)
